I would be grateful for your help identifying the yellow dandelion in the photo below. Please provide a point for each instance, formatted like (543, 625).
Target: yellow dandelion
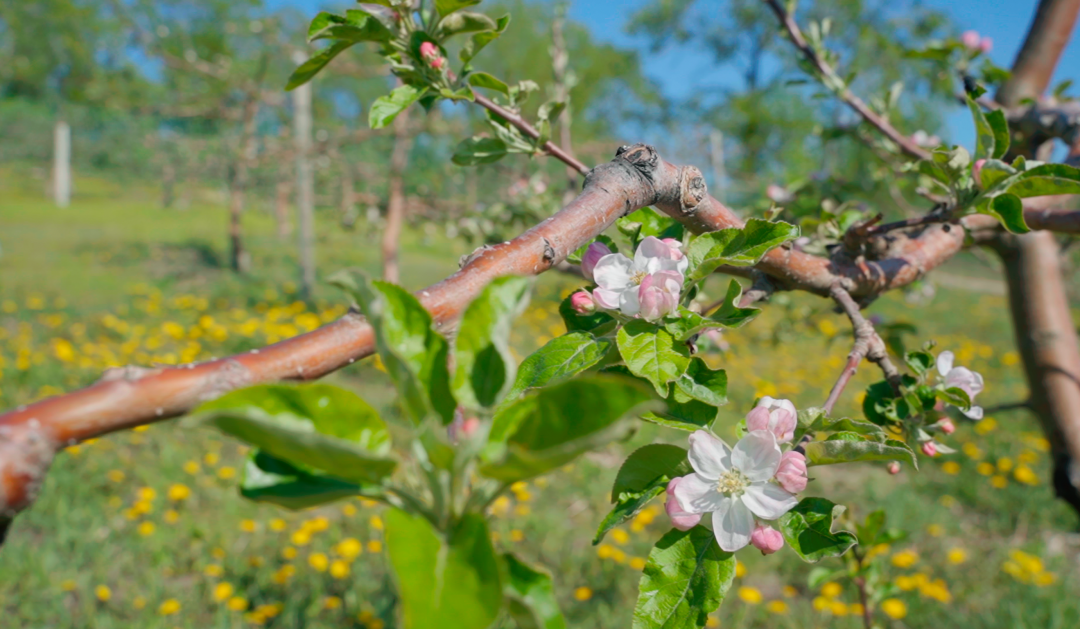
(248, 526)
(348, 510)
(237, 604)
(146, 528)
(171, 516)
(169, 607)
(211, 458)
(1044, 578)
(906, 583)
(146, 494)
(103, 593)
(516, 535)
(138, 602)
(1025, 475)
(374, 546)
(905, 559)
(339, 569)
(637, 563)
(712, 622)
(820, 603)
(376, 522)
(277, 524)
(947, 501)
(178, 492)
(115, 476)
(986, 469)
(301, 537)
(832, 589)
(750, 595)
(935, 530)
(288, 553)
(223, 591)
(997, 481)
(894, 608)
(620, 536)
(950, 467)
(790, 592)
(349, 548)
(213, 570)
(522, 510)
(583, 593)
(777, 607)
(740, 570)
(956, 556)
(226, 473)
(318, 561)
(856, 609)
(331, 602)
(838, 608)
(191, 467)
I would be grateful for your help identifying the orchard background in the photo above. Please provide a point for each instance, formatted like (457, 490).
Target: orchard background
(185, 234)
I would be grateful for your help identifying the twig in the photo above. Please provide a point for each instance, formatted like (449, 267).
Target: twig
(906, 144)
(867, 345)
(523, 125)
(1010, 406)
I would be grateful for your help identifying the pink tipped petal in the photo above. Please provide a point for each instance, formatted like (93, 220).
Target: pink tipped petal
(698, 495)
(582, 303)
(733, 526)
(783, 425)
(792, 474)
(768, 501)
(592, 255)
(757, 419)
(766, 539)
(709, 456)
(680, 519)
(757, 456)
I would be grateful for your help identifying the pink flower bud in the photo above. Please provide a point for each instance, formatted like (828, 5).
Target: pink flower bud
(947, 426)
(438, 62)
(766, 539)
(428, 51)
(592, 255)
(778, 194)
(676, 248)
(776, 416)
(929, 448)
(894, 468)
(582, 302)
(792, 474)
(680, 519)
(970, 40)
(976, 169)
(470, 426)
(986, 45)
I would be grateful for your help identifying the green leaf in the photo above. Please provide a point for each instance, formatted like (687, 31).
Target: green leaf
(685, 579)
(553, 426)
(313, 426)
(415, 355)
(736, 247)
(1009, 209)
(807, 528)
(444, 579)
(485, 80)
(1000, 128)
(985, 138)
(843, 450)
(646, 465)
(386, 108)
(465, 22)
(355, 27)
(648, 222)
(446, 7)
(483, 365)
(314, 65)
(1047, 179)
(480, 40)
(479, 150)
(579, 322)
(531, 596)
(626, 507)
(685, 414)
(728, 315)
(703, 383)
(920, 362)
(560, 359)
(955, 396)
(652, 353)
(270, 479)
(994, 171)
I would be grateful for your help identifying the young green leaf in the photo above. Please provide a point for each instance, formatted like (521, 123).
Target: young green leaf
(646, 465)
(1047, 179)
(560, 359)
(479, 150)
(685, 579)
(270, 479)
(627, 506)
(488, 81)
(317, 426)
(689, 415)
(355, 27)
(648, 222)
(808, 530)
(531, 596)
(415, 355)
(735, 246)
(386, 108)
(482, 39)
(849, 450)
(446, 7)
(653, 353)
(556, 424)
(465, 22)
(483, 365)
(443, 576)
(314, 65)
(701, 382)
(1009, 209)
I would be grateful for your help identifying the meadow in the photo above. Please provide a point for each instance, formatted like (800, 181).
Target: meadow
(146, 529)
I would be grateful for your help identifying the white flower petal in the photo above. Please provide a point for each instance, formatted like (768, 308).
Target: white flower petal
(698, 495)
(768, 501)
(612, 271)
(630, 302)
(975, 412)
(757, 455)
(607, 298)
(651, 247)
(945, 362)
(709, 456)
(733, 526)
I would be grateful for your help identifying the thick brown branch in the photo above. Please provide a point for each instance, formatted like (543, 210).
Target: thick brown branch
(1038, 57)
(906, 144)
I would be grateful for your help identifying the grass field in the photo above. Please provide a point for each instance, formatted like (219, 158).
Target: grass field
(145, 528)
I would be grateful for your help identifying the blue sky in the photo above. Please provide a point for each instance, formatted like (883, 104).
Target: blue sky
(675, 71)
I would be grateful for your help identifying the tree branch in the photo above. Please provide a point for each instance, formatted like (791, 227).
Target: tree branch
(1038, 57)
(523, 125)
(906, 144)
(867, 345)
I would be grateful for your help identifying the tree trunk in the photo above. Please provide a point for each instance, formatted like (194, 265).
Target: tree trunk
(305, 184)
(239, 257)
(168, 185)
(282, 192)
(1046, 337)
(560, 61)
(348, 196)
(395, 207)
(62, 164)
(716, 157)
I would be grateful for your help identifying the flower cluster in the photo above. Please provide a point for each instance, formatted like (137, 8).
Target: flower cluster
(962, 378)
(647, 286)
(429, 53)
(975, 43)
(735, 484)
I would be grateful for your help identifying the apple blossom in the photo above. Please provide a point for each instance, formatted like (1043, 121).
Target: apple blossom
(986, 45)
(947, 426)
(792, 474)
(970, 40)
(894, 468)
(776, 416)
(679, 519)
(428, 51)
(733, 484)
(621, 281)
(582, 302)
(929, 448)
(766, 539)
(962, 378)
(658, 295)
(592, 255)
